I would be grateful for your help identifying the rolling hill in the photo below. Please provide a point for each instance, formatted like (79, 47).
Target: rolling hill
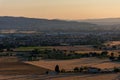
(55, 25)
(33, 24)
(103, 21)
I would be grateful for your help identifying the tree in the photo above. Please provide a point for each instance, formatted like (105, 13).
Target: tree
(116, 69)
(118, 58)
(63, 70)
(104, 53)
(57, 69)
(76, 69)
(112, 58)
(81, 69)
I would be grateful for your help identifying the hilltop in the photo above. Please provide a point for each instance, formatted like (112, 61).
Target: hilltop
(43, 25)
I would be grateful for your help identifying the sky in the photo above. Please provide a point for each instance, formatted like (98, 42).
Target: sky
(61, 9)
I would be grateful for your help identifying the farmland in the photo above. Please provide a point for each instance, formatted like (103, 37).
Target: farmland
(12, 66)
(70, 64)
(25, 71)
(82, 49)
(31, 62)
(73, 48)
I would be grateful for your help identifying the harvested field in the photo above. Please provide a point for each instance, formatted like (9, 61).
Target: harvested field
(20, 69)
(90, 77)
(70, 64)
(10, 66)
(77, 76)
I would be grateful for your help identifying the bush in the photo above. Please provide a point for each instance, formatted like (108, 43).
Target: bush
(76, 69)
(116, 70)
(63, 71)
(81, 69)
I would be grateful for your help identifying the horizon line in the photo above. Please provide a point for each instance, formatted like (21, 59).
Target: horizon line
(62, 19)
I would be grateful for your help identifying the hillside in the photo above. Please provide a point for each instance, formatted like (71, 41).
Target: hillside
(41, 25)
(23, 24)
(103, 21)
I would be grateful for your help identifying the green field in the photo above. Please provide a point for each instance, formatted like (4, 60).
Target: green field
(31, 48)
(78, 49)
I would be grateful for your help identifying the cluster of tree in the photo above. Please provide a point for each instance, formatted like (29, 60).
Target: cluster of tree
(86, 69)
(37, 54)
(59, 54)
(57, 39)
(112, 57)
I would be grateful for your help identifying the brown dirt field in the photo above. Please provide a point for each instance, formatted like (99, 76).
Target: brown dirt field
(77, 76)
(74, 48)
(11, 66)
(20, 68)
(90, 77)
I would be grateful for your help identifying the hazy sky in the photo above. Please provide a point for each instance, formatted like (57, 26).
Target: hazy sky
(61, 9)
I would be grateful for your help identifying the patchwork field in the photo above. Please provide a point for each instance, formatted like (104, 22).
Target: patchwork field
(70, 64)
(12, 69)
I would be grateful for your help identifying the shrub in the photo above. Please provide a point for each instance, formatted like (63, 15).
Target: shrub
(76, 69)
(116, 70)
(63, 70)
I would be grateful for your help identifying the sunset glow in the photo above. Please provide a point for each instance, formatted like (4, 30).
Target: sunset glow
(61, 9)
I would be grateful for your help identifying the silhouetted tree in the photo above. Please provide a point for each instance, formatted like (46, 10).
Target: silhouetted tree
(57, 69)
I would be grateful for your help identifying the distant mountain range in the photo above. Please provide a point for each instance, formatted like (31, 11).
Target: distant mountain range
(103, 21)
(45, 25)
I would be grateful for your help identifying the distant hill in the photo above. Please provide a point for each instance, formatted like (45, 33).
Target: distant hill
(103, 21)
(22, 24)
(33, 24)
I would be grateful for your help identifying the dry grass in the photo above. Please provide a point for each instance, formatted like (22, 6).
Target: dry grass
(90, 77)
(112, 43)
(70, 64)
